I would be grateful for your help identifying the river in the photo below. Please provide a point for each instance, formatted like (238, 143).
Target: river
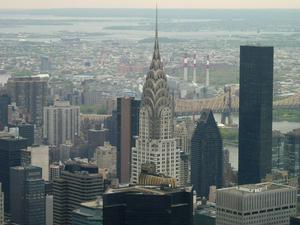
(282, 126)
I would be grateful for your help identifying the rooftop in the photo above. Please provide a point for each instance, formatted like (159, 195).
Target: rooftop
(256, 188)
(153, 190)
(97, 203)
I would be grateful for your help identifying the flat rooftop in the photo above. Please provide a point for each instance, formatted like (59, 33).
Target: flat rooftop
(97, 203)
(153, 190)
(256, 188)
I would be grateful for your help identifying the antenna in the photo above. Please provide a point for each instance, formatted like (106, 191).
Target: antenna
(156, 23)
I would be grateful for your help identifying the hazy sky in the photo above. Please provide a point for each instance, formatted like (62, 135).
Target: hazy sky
(17, 4)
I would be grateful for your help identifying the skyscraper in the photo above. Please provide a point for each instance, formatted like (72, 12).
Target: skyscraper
(27, 131)
(4, 102)
(182, 141)
(206, 155)
(1, 205)
(27, 195)
(256, 204)
(61, 123)
(30, 95)
(37, 155)
(140, 205)
(106, 158)
(277, 150)
(292, 153)
(156, 142)
(255, 114)
(10, 155)
(127, 129)
(78, 183)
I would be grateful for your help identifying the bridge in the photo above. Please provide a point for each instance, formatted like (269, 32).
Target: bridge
(219, 104)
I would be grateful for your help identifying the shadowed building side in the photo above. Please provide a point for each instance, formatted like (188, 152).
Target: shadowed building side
(206, 155)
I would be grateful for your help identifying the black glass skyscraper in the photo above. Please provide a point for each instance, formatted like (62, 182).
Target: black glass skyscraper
(206, 155)
(148, 205)
(27, 195)
(255, 114)
(4, 102)
(10, 155)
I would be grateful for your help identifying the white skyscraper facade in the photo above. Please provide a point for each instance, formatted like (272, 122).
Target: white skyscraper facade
(61, 123)
(256, 204)
(156, 142)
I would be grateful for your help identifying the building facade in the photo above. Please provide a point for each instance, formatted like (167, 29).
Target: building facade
(106, 158)
(206, 155)
(54, 171)
(37, 155)
(278, 140)
(10, 156)
(26, 130)
(256, 204)
(1, 205)
(292, 153)
(89, 213)
(127, 128)
(49, 209)
(30, 95)
(77, 184)
(255, 113)
(27, 195)
(4, 102)
(61, 123)
(139, 205)
(156, 141)
(183, 143)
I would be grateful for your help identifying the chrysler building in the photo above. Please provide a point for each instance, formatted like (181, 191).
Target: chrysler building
(156, 142)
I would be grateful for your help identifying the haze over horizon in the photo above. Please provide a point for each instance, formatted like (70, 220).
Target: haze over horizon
(212, 4)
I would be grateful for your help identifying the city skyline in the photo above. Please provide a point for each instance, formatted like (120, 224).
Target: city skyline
(214, 4)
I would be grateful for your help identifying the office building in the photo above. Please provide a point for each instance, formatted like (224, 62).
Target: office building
(78, 183)
(256, 204)
(106, 158)
(89, 213)
(229, 176)
(127, 116)
(146, 205)
(183, 143)
(27, 195)
(49, 209)
(278, 139)
(4, 102)
(292, 153)
(30, 95)
(1, 205)
(156, 141)
(10, 155)
(54, 171)
(37, 155)
(255, 113)
(27, 131)
(206, 155)
(65, 151)
(97, 137)
(61, 123)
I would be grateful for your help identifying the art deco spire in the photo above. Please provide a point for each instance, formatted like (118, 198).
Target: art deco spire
(156, 60)
(156, 95)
